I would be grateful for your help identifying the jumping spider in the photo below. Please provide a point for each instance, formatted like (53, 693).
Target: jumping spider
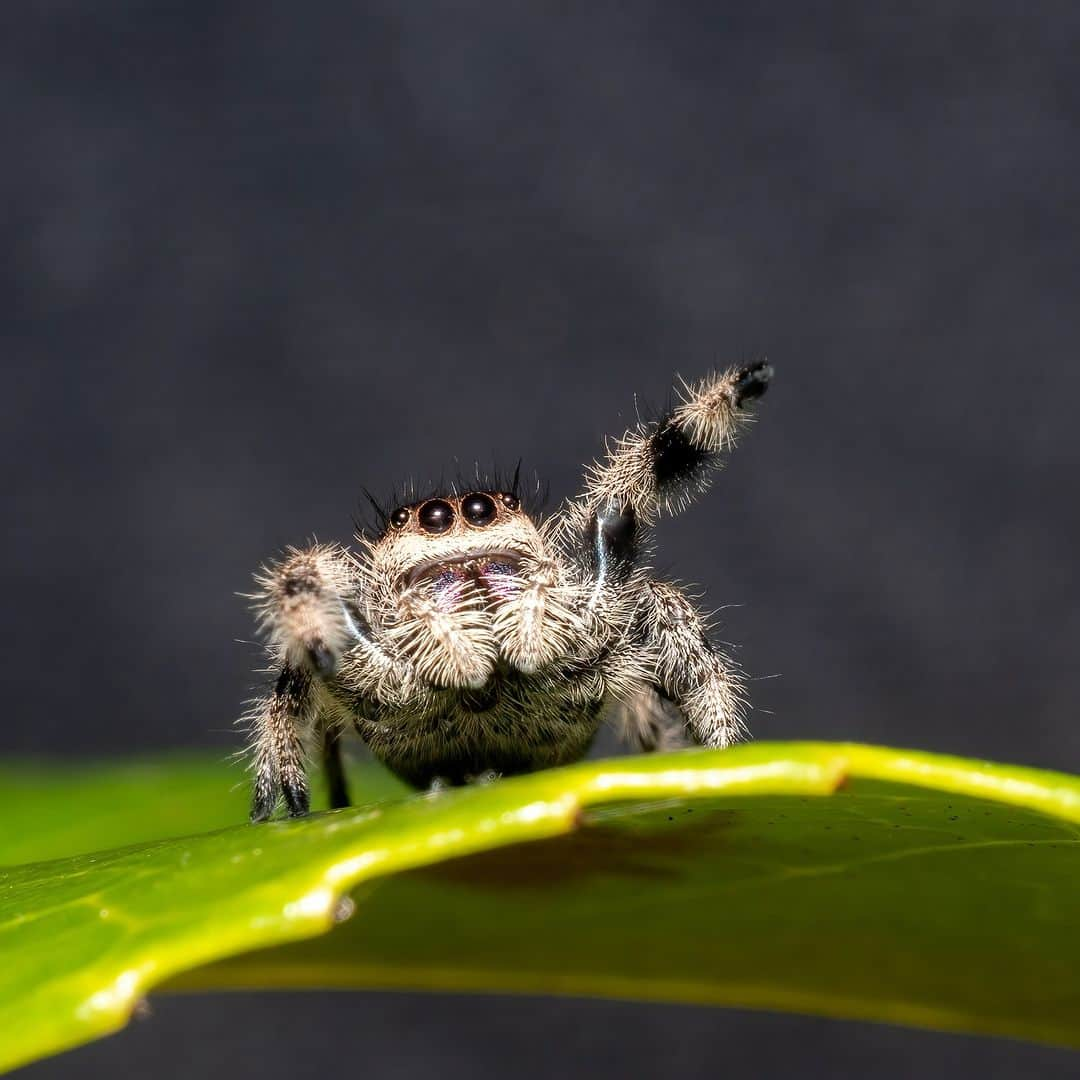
(468, 639)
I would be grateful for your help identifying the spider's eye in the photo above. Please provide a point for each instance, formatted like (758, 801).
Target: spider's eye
(435, 516)
(478, 509)
(400, 517)
(511, 502)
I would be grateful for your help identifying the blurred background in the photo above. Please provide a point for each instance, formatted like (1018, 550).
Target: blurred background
(258, 256)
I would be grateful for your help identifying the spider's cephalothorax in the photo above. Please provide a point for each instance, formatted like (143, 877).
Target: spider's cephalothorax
(467, 639)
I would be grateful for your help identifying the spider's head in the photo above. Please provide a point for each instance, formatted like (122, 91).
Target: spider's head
(457, 546)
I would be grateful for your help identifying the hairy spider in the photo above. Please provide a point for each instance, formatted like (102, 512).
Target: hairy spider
(467, 639)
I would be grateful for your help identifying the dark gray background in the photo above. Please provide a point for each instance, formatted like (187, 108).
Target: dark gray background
(258, 256)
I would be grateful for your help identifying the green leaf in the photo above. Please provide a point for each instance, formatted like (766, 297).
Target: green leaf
(927, 890)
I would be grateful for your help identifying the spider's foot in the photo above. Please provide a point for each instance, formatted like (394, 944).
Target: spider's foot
(262, 810)
(297, 798)
(751, 382)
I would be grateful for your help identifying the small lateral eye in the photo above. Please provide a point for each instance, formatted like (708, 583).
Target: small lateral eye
(478, 509)
(511, 502)
(400, 517)
(435, 516)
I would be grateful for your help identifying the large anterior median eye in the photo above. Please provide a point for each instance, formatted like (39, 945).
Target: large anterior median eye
(478, 509)
(435, 516)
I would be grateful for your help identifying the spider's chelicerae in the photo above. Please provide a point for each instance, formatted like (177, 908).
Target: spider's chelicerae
(466, 639)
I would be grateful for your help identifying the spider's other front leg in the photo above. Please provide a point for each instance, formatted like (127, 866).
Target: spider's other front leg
(280, 726)
(307, 608)
(303, 610)
(660, 467)
(693, 672)
(310, 608)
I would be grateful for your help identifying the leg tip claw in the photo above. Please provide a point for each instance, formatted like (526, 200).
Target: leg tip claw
(751, 382)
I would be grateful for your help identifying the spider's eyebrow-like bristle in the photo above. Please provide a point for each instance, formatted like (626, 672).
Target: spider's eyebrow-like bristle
(373, 512)
(379, 509)
(481, 477)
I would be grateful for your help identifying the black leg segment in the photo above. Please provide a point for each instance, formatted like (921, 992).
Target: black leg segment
(334, 769)
(613, 542)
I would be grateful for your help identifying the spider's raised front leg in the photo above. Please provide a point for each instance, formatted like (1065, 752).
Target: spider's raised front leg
(660, 467)
(691, 671)
(655, 468)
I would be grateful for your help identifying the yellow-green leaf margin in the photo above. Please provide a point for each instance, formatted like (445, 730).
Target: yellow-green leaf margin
(925, 890)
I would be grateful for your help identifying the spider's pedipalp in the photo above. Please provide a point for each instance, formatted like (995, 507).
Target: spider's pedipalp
(450, 648)
(541, 624)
